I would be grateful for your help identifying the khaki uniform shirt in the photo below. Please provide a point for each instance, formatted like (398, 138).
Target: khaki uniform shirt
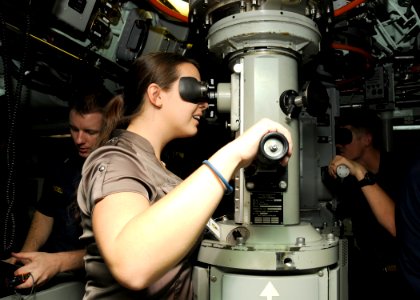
(126, 164)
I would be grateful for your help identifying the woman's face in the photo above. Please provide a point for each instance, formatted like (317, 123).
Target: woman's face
(183, 116)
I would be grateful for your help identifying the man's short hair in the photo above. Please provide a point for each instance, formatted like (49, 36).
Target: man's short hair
(365, 119)
(90, 101)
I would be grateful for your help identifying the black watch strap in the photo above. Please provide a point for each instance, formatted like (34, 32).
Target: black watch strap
(369, 179)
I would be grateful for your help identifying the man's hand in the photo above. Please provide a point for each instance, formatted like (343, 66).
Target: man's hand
(356, 169)
(41, 265)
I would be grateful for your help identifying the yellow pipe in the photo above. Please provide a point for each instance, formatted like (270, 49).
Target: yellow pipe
(55, 47)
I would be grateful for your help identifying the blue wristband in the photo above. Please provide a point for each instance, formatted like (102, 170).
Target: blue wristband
(229, 188)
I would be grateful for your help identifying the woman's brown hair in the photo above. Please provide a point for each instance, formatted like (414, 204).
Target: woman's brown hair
(160, 68)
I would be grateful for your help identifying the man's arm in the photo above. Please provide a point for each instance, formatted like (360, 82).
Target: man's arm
(43, 266)
(381, 204)
(383, 207)
(57, 262)
(39, 231)
(71, 260)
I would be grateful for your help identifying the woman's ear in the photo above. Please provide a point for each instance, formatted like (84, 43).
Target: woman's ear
(153, 93)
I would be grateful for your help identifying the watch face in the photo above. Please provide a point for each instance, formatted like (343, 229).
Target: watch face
(369, 179)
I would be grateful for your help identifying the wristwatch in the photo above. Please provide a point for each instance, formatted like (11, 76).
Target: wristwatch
(369, 179)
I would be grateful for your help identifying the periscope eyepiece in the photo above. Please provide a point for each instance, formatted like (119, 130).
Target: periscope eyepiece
(194, 91)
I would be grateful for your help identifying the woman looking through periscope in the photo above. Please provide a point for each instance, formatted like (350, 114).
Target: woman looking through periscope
(141, 222)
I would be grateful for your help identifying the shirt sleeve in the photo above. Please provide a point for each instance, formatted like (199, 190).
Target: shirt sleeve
(112, 170)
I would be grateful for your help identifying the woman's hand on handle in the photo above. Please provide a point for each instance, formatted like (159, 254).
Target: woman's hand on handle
(247, 143)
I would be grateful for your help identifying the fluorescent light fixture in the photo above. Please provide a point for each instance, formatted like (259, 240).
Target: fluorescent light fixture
(406, 127)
